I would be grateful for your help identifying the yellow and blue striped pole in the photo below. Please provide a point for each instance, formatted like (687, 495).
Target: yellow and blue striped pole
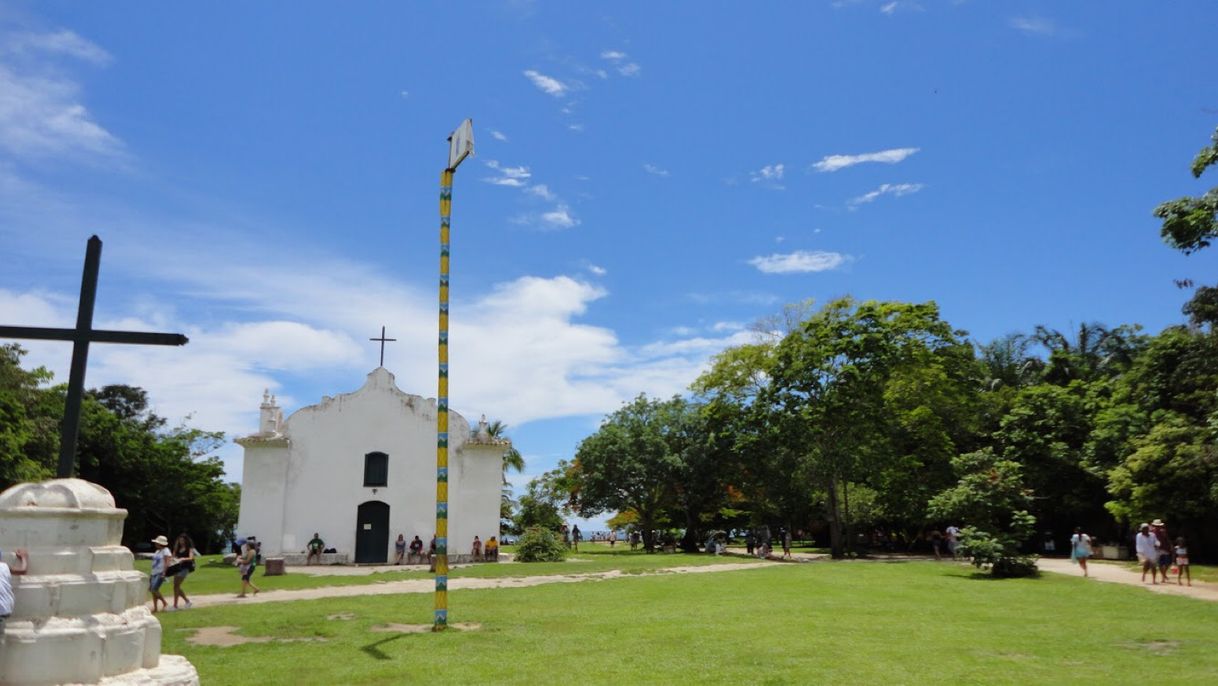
(441, 618)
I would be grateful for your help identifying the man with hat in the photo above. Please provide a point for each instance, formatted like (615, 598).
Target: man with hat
(157, 577)
(1159, 528)
(1146, 546)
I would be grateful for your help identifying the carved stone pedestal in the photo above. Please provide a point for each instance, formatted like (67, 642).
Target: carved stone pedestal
(79, 614)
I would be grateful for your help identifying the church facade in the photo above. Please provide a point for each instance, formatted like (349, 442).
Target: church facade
(360, 468)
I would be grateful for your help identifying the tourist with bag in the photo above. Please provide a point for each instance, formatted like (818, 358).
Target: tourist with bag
(183, 565)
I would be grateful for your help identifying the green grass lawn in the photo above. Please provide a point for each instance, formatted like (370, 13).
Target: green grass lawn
(213, 576)
(852, 622)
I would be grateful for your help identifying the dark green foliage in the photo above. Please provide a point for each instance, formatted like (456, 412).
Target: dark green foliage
(169, 481)
(1190, 223)
(539, 544)
(992, 500)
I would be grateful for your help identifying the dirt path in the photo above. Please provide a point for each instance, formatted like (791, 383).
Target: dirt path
(428, 585)
(1116, 574)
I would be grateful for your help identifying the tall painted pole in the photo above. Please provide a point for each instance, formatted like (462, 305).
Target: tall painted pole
(441, 618)
(460, 146)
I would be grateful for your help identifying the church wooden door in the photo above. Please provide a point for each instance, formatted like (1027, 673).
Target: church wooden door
(372, 532)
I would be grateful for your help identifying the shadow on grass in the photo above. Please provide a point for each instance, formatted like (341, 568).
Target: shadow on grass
(374, 649)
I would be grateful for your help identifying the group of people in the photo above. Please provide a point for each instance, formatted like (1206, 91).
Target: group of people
(1156, 552)
(176, 563)
(571, 536)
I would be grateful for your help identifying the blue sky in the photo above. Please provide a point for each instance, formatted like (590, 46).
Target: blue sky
(649, 179)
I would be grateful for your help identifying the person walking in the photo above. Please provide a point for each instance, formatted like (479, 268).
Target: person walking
(1080, 548)
(157, 575)
(576, 537)
(184, 561)
(1159, 528)
(1145, 545)
(247, 563)
(953, 540)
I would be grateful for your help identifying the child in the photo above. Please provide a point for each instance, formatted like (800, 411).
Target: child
(1182, 562)
(6, 584)
(159, 561)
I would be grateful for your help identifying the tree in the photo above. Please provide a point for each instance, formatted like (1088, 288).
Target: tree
(1190, 223)
(991, 500)
(29, 420)
(827, 393)
(512, 461)
(635, 461)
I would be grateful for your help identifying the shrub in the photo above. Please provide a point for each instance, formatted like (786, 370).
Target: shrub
(539, 545)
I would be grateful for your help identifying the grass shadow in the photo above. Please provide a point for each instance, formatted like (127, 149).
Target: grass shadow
(374, 649)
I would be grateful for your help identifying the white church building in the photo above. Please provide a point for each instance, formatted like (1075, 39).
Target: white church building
(360, 468)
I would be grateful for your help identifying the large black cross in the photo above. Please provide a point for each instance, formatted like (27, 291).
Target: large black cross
(81, 337)
(382, 339)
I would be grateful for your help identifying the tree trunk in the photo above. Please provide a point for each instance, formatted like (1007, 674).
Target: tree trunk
(649, 539)
(846, 518)
(835, 533)
(689, 542)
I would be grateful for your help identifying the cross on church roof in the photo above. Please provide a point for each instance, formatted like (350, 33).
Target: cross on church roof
(382, 339)
(81, 336)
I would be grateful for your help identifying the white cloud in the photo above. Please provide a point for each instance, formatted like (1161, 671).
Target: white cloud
(891, 8)
(577, 127)
(515, 177)
(894, 189)
(770, 175)
(631, 69)
(1034, 25)
(61, 42)
(547, 84)
(404, 94)
(799, 261)
(727, 326)
(498, 135)
(832, 163)
(41, 113)
(613, 55)
(541, 191)
(559, 218)
(597, 270)
(654, 170)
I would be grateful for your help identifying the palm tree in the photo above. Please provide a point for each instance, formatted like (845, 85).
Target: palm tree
(1093, 350)
(512, 459)
(1008, 362)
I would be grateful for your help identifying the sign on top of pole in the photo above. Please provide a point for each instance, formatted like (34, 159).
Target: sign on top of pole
(460, 144)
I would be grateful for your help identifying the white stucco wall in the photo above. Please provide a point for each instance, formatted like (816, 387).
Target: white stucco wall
(310, 476)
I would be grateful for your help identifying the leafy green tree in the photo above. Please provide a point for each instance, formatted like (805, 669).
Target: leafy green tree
(1190, 223)
(635, 461)
(540, 544)
(540, 506)
(29, 422)
(828, 389)
(991, 500)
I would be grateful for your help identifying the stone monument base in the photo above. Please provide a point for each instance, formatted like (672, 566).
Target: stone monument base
(79, 614)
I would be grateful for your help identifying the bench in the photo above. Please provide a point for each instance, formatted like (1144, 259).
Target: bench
(298, 559)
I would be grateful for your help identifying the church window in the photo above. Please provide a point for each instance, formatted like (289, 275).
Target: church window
(376, 469)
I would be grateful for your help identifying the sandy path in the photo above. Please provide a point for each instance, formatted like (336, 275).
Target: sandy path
(1116, 574)
(428, 585)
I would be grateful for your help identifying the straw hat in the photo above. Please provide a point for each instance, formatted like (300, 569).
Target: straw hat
(161, 540)
(1158, 522)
